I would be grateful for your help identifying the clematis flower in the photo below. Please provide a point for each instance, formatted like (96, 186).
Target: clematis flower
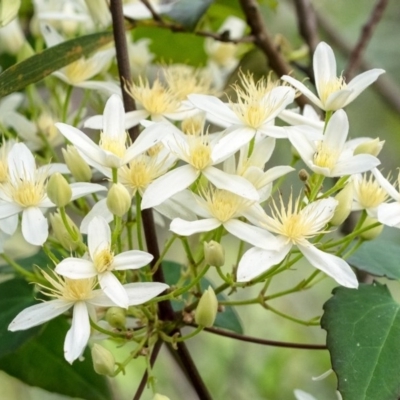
(331, 156)
(79, 295)
(294, 227)
(112, 151)
(25, 191)
(102, 262)
(333, 92)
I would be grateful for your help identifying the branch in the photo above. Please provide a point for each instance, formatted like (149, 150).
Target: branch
(366, 35)
(307, 23)
(265, 43)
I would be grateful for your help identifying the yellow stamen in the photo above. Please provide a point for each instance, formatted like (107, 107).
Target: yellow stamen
(103, 260)
(325, 156)
(115, 145)
(332, 86)
(369, 192)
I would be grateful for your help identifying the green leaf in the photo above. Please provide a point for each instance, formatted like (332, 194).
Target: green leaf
(43, 64)
(40, 362)
(363, 340)
(189, 12)
(379, 258)
(15, 295)
(228, 319)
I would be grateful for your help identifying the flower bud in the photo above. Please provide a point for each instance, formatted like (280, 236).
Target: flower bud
(343, 209)
(103, 360)
(8, 11)
(61, 233)
(118, 199)
(58, 190)
(373, 233)
(116, 317)
(159, 396)
(207, 309)
(77, 165)
(373, 147)
(214, 253)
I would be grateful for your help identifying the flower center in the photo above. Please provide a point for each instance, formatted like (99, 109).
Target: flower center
(115, 145)
(81, 70)
(103, 260)
(332, 86)
(199, 152)
(325, 157)
(223, 53)
(369, 192)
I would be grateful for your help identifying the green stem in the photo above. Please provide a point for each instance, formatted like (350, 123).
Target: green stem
(28, 275)
(164, 252)
(174, 340)
(283, 315)
(139, 221)
(66, 103)
(317, 183)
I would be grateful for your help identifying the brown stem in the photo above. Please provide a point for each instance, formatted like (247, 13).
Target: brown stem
(265, 43)
(366, 35)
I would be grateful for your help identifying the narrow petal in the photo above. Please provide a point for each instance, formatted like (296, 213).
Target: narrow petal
(338, 100)
(336, 131)
(9, 209)
(262, 152)
(132, 259)
(76, 268)
(324, 65)
(102, 86)
(100, 209)
(81, 189)
(334, 266)
(35, 227)
(304, 147)
(99, 236)
(38, 314)
(187, 228)
(233, 183)
(79, 333)
(169, 184)
(95, 122)
(300, 395)
(386, 185)
(114, 118)
(303, 89)
(113, 289)
(139, 293)
(132, 118)
(389, 214)
(256, 261)
(274, 173)
(9, 225)
(294, 118)
(21, 162)
(355, 165)
(362, 81)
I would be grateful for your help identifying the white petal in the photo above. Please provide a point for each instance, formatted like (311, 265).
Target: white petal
(102, 86)
(274, 173)
(386, 185)
(362, 81)
(262, 151)
(187, 228)
(100, 209)
(338, 100)
(257, 261)
(81, 189)
(99, 236)
(304, 147)
(139, 293)
(35, 227)
(389, 214)
(38, 314)
(21, 163)
(355, 165)
(76, 268)
(303, 89)
(293, 118)
(9, 209)
(132, 118)
(318, 213)
(169, 184)
(233, 183)
(9, 225)
(132, 259)
(332, 265)
(95, 122)
(79, 333)
(324, 65)
(113, 289)
(114, 118)
(300, 395)
(337, 130)
(52, 168)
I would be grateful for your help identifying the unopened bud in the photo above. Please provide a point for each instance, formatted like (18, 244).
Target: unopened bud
(80, 170)
(118, 199)
(58, 190)
(214, 254)
(61, 233)
(343, 209)
(8, 11)
(103, 360)
(372, 147)
(116, 317)
(303, 175)
(207, 309)
(159, 396)
(373, 233)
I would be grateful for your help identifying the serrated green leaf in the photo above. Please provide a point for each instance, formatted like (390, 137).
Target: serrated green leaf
(363, 329)
(228, 319)
(40, 362)
(52, 59)
(189, 12)
(379, 258)
(15, 295)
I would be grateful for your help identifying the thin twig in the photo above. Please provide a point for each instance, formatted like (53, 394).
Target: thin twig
(307, 23)
(250, 339)
(366, 35)
(265, 43)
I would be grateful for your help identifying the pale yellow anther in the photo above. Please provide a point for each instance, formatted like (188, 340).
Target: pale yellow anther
(325, 157)
(103, 260)
(369, 192)
(332, 86)
(115, 145)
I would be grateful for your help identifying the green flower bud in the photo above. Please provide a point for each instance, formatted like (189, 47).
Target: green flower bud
(372, 147)
(159, 396)
(343, 209)
(214, 253)
(373, 233)
(118, 199)
(207, 309)
(116, 317)
(8, 11)
(61, 233)
(58, 190)
(80, 170)
(103, 360)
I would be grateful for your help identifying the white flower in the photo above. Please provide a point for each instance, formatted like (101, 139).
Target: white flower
(331, 156)
(25, 191)
(135, 9)
(333, 92)
(102, 262)
(111, 151)
(79, 295)
(201, 154)
(294, 227)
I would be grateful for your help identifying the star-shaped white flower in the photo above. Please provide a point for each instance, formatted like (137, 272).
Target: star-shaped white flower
(102, 262)
(331, 156)
(294, 227)
(25, 191)
(333, 92)
(79, 295)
